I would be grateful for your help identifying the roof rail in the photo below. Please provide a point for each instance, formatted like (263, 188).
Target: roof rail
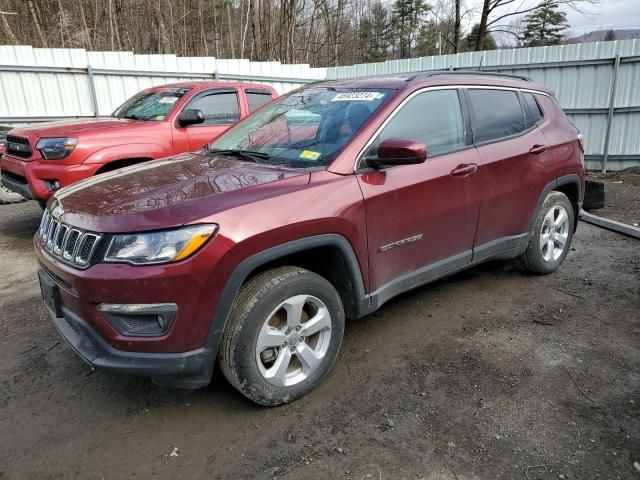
(486, 73)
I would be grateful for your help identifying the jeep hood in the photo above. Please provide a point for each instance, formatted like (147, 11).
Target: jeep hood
(171, 192)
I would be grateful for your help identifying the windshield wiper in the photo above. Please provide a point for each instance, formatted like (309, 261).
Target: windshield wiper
(250, 155)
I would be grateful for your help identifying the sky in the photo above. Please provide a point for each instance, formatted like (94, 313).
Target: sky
(617, 14)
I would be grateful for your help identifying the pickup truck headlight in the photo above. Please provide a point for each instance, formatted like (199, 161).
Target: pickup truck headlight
(56, 148)
(158, 247)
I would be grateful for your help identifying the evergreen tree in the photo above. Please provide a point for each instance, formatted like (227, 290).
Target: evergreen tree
(545, 25)
(427, 41)
(610, 35)
(488, 43)
(406, 20)
(375, 34)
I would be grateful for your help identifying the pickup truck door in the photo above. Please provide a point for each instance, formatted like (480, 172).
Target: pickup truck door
(421, 219)
(221, 108)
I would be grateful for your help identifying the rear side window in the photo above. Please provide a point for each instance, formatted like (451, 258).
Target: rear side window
(533, 109)
(433, 118)
(257, 98)
(496, 114)
(218, 108)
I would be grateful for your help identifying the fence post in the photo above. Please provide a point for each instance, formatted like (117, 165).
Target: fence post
(92, 91)
(612, 100)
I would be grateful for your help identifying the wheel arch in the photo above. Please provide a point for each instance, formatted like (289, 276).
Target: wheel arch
(121, 163)
(330, 256)
(571, 186)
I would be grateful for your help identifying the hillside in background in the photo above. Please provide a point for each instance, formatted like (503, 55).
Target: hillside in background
(600, 35)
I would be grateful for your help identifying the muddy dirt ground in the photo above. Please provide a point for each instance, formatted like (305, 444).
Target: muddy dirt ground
(622, 195)
(489, 374)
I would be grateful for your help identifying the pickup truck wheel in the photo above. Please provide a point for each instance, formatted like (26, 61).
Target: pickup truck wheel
(283, 335)
(7, 196)
(551, 236)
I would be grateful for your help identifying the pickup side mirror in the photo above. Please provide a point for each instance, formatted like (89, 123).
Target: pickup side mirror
(190, 116)
(398, 151)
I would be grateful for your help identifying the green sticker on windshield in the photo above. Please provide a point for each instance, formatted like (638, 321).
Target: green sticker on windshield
(310, 155)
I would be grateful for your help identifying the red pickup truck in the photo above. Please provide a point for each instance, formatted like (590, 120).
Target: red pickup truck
(155, 123)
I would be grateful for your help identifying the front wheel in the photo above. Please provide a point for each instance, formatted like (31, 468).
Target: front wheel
(283, 335)
(551, 237)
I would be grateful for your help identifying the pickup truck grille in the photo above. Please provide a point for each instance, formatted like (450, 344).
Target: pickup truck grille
(69, 244)
(18, 146)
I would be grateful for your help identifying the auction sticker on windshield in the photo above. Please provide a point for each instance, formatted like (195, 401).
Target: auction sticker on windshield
(310, 155)
(170, 100)
(355, 97)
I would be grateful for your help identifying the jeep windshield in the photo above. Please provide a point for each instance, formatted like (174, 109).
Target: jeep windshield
(307, 128)
(150, 105)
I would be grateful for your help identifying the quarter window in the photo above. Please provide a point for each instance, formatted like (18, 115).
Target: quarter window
(496, 114)
(433, 118)
(257, 99)
(534, 111)
(218, 108)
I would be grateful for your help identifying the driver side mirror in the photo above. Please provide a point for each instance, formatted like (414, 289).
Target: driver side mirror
(398, 151)
(190, 116)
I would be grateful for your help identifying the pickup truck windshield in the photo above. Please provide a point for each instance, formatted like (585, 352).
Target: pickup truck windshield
(150, 105)
(306, 128)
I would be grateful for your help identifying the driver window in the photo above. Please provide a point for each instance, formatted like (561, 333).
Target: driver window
(433, 118)
(218, 108)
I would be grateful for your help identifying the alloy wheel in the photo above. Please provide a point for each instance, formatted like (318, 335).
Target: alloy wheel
(293, 340)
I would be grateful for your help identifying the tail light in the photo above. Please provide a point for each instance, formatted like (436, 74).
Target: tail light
(581, 140)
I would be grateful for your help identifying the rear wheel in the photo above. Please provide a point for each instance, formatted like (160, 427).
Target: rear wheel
(283, 335)
(551, 238)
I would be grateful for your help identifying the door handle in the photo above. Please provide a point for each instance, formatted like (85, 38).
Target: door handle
(464, 169)
(538, 149)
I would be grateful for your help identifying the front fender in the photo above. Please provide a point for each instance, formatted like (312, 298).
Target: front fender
(245, 267)
(124, 152)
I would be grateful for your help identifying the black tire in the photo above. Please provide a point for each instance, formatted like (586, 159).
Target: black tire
(533, 259)
(7, 196)
(255, 303)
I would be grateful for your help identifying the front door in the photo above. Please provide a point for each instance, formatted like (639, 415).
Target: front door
(421, 219)
(221, 111)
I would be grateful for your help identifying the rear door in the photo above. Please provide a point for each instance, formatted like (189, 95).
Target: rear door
(221, 108)
(421, 219)
(513, 163)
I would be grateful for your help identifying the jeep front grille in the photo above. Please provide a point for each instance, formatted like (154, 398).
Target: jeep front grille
(71, 245)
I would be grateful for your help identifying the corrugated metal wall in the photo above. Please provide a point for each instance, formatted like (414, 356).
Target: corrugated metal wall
(37, 84)
(581, 75)
(52, 82)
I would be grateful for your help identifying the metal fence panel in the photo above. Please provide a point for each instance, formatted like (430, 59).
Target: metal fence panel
(39, 84)
(47, 83)
(582, 76)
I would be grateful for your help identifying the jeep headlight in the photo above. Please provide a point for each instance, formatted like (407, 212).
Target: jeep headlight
(158, 247)
(56, 148)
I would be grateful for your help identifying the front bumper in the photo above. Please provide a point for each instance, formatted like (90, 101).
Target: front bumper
(185, 370)
(17, 186)
(183, 356)
(191, 369)
(37, 175)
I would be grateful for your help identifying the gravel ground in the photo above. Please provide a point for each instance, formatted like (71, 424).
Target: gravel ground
(488, 374)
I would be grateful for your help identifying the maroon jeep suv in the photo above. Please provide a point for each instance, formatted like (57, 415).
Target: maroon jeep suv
(317, 208)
